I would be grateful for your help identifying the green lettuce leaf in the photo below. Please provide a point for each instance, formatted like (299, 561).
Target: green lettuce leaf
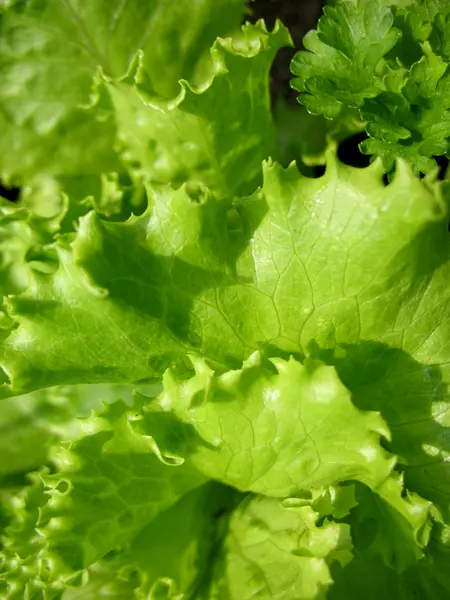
(189, 275)
(22, 572)
(298, 446)
(113, 489)
(68, 128)
(184, 541)
(187, 137)
(255, 429)
(366, 576)
(392, 524)
(395, 297)
(272, 552)
(274, 433)
(31, 424)
(174, 565)
(419, 417)
(120, 481)
(16, 238)
(110, 483)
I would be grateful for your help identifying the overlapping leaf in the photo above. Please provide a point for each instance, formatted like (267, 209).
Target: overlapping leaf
(184, 542)
(113, 488)
(110, 484)
(57, 123)
(22, 572)
(280, 435)
(275, 433)
(369, 577)
(76, 131)
(31, 424)
(187, 137)
(272, 552)
(341, 271)
(306, 262)
(254, 429)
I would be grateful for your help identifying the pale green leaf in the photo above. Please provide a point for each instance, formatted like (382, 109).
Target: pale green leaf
(110, 483)
(275, 553)
(54, 119)
(275, 432)
(320, 263)
(187, 137)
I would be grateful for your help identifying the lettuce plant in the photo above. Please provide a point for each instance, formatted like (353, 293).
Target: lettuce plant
(223, 379)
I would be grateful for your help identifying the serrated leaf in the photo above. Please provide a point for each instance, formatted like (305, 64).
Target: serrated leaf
(183, 540)
(22, 571)
(109, 485)
(187, 137)
(69, 128)
(31, 424)
(16, 238)
(131, 299)
(275, 434)
(274, 553)
(413, 398)
(372, 580)
(394, 524)
(342, 268)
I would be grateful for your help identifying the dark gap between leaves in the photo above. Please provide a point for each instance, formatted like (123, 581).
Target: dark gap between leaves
(311, 171)
(318, 171)
(442, 162)
(9, 193)
(350, 154)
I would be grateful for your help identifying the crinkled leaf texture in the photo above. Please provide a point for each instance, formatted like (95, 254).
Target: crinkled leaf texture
(273, 552)
(302, 431)
(296, 444)
(274, 433)
(131, 75)
(187, 137)
(290, 266)
(390, 63)
(129, 494)
(31, 424)
(85, 38)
